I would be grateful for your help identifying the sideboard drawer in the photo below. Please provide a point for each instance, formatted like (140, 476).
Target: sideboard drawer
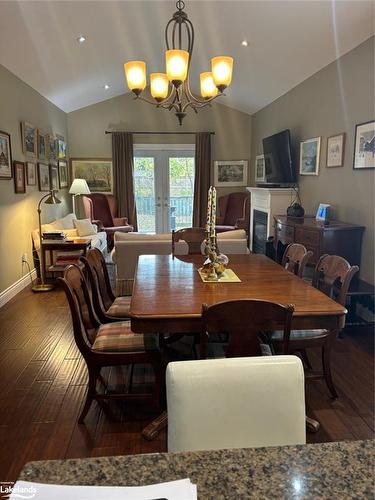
(285, 233)
(307, 238)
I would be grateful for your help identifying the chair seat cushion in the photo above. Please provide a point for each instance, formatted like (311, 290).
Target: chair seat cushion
(118, 337)
(121, 229)
(120, 307)
(299, 334)
(221, 228)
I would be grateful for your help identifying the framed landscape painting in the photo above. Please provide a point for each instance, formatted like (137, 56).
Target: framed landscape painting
(96, 172)
(63, 174)
(230, 173)
(19, 177)
(31, 173)
(309, 157)
(43, 177)
(52, 147)
(335, 150)
(364, 146)
(29, 139)
(5, 156)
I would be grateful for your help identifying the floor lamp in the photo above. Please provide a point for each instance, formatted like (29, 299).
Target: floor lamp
(79, 186)
(49, 199)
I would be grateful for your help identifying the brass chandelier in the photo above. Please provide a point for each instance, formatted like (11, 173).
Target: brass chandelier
(171, 90)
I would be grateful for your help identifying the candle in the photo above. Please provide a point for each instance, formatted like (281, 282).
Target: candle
(213, 212)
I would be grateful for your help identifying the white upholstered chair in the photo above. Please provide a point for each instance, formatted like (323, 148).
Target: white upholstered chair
(235, 403)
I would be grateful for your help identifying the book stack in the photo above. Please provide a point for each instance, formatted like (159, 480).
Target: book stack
(66, 258)
(53, 236)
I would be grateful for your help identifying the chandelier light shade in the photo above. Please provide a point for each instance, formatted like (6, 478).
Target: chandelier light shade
(171, 90)
(136, 76)
(208, 87)
(222, 68)
(159, 84)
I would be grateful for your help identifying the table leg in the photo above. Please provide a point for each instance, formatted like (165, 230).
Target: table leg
(152, 430)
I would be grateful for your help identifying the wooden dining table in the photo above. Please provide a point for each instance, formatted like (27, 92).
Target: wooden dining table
(168, 294)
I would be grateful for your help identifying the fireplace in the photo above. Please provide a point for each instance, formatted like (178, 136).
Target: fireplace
(260, 222)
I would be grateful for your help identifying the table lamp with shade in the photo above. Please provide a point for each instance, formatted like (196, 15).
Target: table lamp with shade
(79, 186)
(49, 199)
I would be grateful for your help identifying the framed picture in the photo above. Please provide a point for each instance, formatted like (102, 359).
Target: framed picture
(60, 147)
(96, 171)
(52, 147)
(5, 156)
(260, 168)
(364, 146)
(323, 212)
(31, 173)
(43, 143)
(43, 177)
(19, 177)
(335, 150)
(63, 174)
(54, 177)
(230, 173)
(29, 139)
(309, 157)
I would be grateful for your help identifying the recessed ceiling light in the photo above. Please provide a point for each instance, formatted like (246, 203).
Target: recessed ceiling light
(244, 43)
(106, 87)
(81, 39)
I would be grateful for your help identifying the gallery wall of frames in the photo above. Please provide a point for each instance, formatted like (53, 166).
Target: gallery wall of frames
(45, 158)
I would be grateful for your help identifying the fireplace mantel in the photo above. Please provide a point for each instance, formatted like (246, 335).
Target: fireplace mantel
(272, 201)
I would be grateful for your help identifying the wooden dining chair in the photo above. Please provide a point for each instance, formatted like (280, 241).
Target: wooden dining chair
(193, 236)
(243, 321)
(110, 344)
(107, 307)
(295, 258)
(332, 275)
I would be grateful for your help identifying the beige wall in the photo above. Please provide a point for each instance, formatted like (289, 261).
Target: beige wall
(18, 216)
(86, 128)
(333, 100)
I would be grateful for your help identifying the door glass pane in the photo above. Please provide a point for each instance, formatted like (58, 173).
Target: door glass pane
(144, 185)
(181, 190)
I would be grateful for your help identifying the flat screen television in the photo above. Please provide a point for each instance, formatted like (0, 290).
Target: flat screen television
(278, 164)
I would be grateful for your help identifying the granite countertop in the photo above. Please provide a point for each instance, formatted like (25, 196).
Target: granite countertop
(340, 470)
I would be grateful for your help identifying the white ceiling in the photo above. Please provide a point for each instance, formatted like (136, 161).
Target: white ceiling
(288, 42)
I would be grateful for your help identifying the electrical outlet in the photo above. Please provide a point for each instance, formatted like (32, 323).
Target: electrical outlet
(24, 257)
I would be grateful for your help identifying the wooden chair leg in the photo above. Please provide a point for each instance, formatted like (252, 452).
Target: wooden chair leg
(305, 359)
(91, 392)
(326, 360)
(131, 377)
(159, 383)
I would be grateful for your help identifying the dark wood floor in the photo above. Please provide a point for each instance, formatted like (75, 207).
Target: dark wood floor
(43, 381)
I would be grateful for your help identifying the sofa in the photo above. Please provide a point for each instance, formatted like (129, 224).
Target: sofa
(66, 224)
(129, 246)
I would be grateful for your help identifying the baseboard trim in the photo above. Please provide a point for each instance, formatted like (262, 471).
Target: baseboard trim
(19, 285)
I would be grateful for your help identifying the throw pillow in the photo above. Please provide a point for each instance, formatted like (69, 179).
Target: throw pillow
(84, 227)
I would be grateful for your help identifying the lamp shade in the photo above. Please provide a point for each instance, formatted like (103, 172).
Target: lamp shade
(135, 72)
(222, 68)
(52, 199)
(177, 62)
(79, 186)
(208, 87)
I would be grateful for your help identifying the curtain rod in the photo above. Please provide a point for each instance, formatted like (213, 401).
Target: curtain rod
(156, 133)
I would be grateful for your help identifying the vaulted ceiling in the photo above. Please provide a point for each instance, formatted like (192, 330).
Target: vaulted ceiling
(288, 41)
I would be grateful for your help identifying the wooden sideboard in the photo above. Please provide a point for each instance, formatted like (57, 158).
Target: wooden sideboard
(332, 237)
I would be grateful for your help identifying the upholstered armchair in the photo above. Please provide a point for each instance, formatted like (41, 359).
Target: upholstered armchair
(234, 210)
(102, 209)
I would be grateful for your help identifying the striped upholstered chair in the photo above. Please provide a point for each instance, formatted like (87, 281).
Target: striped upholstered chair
(107, 307)
(111, 344)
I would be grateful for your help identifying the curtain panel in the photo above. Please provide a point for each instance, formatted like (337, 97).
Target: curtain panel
(123, 179)
(202, 177)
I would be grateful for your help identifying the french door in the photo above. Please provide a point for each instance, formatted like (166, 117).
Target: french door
(164, 187)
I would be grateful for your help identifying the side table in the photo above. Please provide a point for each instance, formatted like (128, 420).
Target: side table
(66, 245)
